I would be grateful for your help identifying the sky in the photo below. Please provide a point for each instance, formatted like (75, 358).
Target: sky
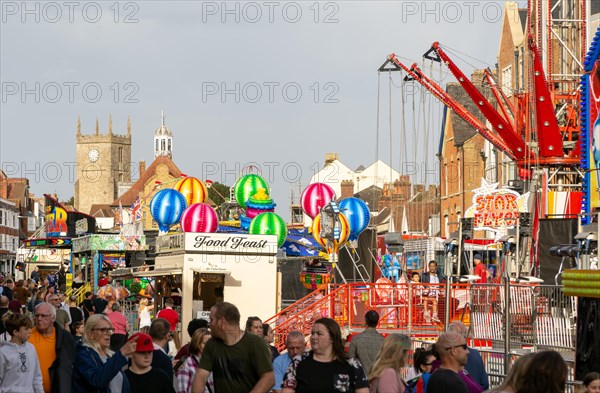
(273, 84)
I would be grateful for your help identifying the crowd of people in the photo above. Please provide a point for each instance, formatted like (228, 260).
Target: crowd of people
(64, 347)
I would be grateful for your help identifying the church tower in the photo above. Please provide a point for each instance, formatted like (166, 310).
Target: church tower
(163, 139)
(103, 161)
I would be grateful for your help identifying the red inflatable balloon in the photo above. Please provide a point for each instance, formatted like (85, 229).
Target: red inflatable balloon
(314, 197)
(199, 217)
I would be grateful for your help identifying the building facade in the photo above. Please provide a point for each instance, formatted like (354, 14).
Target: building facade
(9, 235)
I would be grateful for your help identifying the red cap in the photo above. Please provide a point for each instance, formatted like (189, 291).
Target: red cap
(143, 341)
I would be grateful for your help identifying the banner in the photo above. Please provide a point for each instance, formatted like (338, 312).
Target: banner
(61, 223)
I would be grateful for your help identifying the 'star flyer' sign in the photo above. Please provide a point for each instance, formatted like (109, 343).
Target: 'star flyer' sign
(496, 209)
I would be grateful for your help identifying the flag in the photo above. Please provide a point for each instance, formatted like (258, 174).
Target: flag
(209, 183)
(136, 210)
(120, 214)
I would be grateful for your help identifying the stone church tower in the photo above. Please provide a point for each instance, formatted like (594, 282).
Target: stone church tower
(103, 161)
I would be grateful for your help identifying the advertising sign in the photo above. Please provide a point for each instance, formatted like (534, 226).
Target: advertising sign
(495, 209)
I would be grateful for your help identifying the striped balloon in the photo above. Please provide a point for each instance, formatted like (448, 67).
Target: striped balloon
(336, 244)
(358, 215)
(314, 197)
(193, 190)
(269, 224)
(246, 186)
(166, 208)
(199, 217)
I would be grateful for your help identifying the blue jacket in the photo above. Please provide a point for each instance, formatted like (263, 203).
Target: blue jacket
(476, 369)
(91, 375)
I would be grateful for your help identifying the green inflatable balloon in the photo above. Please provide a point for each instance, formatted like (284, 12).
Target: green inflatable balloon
(269, 224)
(246, 186)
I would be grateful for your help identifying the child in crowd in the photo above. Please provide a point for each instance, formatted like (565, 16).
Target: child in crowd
(78, 329)
(19, 365)
(142, 377)
(591, 383)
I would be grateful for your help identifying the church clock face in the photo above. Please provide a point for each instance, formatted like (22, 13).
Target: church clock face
(93, 155)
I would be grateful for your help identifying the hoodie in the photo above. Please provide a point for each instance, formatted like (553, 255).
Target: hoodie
(19, 369)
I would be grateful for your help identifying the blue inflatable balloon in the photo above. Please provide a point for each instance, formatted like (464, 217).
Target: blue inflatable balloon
(358, 215)
(166, 208)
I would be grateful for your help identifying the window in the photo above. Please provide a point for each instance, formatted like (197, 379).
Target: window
(507, 85)
(446, 226)
(156, 148)
(120, 154)
(1, 217)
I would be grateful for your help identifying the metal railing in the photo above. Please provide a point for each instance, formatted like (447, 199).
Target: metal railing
(505, 321)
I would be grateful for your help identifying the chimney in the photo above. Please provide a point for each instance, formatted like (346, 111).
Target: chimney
(347, 188)
(330, 157)
(404, 182)
(432, 191)
(417, 188)
(142, 168)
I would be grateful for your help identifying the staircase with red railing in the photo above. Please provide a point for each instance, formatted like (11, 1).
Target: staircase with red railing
(399, 306)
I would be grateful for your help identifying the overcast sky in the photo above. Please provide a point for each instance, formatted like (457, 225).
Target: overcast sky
(301, 80)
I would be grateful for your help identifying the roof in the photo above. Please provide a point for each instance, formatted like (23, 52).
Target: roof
(17, 188)
(163, 130)
(523, 17)
(134, 191)
(463, 131)
(101, 210)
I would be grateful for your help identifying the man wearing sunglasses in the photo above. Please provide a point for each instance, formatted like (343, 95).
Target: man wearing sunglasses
(453, 352)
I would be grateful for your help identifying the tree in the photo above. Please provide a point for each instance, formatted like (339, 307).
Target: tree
(70, 201)
(218, 193)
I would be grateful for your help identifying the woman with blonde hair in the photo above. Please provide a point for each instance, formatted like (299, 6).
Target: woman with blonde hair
(514, 379)
(96, 367)
(385, 374)
(187, 372)
(144, 313)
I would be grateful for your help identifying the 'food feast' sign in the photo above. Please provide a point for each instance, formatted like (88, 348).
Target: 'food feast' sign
(494, 209)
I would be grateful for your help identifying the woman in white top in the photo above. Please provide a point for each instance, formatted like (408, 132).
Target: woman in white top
(144, 313)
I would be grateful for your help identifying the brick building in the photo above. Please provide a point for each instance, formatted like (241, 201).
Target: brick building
(9, 235)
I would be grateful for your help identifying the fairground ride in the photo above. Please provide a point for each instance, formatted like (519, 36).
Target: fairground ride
(538, 128)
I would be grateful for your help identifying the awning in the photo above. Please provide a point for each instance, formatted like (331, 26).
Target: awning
(158, 272)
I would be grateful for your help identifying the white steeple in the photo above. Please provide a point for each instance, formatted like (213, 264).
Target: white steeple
(163, 139)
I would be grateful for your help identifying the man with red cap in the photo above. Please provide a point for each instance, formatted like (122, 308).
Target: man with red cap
(142, 377)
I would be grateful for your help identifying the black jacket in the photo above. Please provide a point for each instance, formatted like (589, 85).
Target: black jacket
(425, 277)
(61, 371)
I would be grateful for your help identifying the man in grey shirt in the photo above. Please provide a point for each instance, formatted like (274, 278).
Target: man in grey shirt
(366, 345)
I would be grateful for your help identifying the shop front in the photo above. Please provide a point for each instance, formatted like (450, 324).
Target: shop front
(102, 253)
(207, 268)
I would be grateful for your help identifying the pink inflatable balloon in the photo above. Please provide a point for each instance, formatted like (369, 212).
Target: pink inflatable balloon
(199, 217)
(314, 197)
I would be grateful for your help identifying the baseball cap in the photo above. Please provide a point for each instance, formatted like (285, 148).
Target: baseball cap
(450, 340)
(143, 341)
